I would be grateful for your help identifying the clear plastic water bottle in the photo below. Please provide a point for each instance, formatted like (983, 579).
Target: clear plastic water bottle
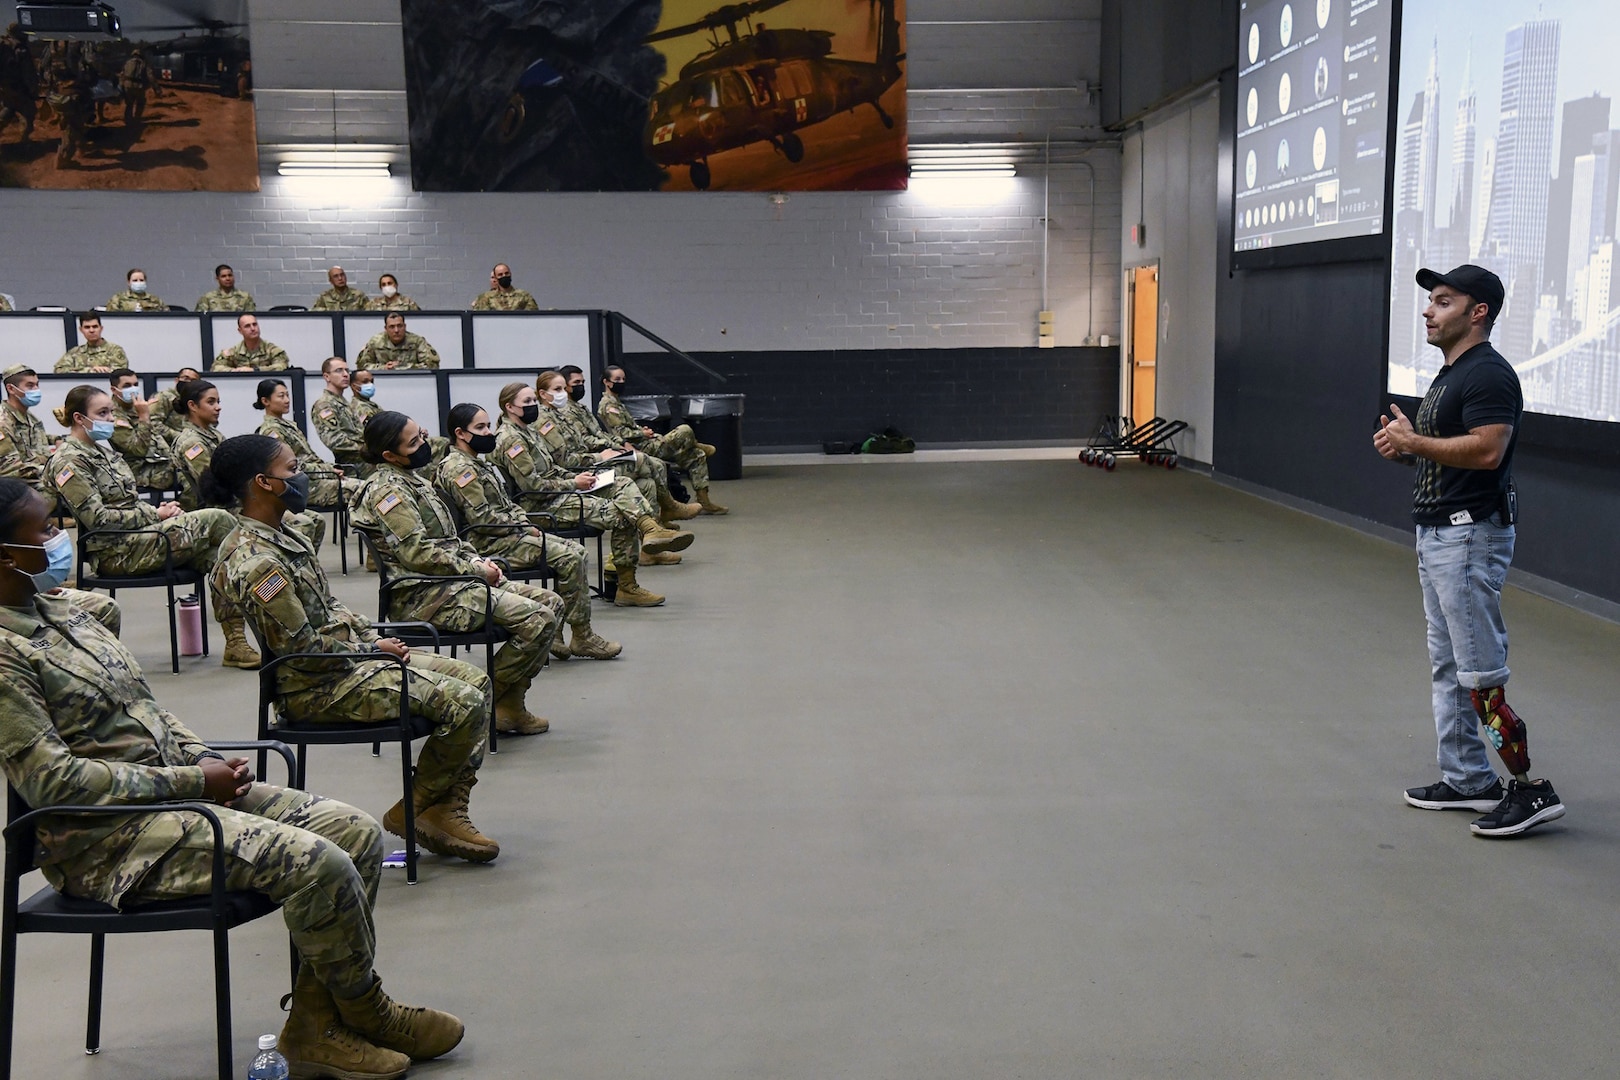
(269, 1065)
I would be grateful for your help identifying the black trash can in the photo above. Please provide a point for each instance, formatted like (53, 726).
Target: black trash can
(652, 410)
(717, 420)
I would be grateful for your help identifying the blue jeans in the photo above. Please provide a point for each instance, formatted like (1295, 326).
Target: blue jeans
(1462, 569)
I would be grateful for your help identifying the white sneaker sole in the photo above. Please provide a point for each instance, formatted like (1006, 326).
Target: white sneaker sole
(1478, 806)
(1551, 813)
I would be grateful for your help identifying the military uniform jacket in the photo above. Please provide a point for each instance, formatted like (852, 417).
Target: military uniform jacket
(524, 457)
(364, 410)
(134, 438)
(275, 578)
(268, 358)
(220, 300)
(397, 302)
(99, 487)
(163, 410)
(347, 300)
(78, 725)
(412, 353)
(134, 301)
(103, 355)
(193, 449)
(339, 428)
(417, 533)
(5, 305)
(478, 491)
(616, 419)
(554, 430)
(24, 446)
(513, 300)
(279, 427)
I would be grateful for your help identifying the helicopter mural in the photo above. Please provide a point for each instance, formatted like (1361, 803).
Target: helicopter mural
(656, 95)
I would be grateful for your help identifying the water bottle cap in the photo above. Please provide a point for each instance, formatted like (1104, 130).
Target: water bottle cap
(267, 1042)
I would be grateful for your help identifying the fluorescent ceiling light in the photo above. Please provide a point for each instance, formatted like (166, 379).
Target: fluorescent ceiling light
(963, 170)
(336, 170)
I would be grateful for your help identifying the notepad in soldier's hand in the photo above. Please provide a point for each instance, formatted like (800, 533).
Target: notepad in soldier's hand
(604, 478)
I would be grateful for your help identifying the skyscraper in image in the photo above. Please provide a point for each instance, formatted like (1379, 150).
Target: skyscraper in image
(1460, 221)
(1583, 118)
(1429, 158)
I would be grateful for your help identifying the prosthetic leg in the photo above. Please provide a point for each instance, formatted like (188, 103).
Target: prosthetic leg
(1505, 730)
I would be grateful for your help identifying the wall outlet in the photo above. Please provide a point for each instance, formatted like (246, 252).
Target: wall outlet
(1048, 330)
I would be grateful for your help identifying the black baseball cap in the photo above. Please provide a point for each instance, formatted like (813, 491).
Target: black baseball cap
(1474, 281)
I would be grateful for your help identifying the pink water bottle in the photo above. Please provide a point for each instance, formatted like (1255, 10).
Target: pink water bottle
(189, 623)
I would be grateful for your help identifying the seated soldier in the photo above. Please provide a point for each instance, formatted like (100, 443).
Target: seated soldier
(273, 574)
(571, 498)
(336, 421)
(362, 389)
(325, 489)
(163, 406)
(227, 297)
(252, 353)
(397, 349)
(414, 533)
(502, 530)
(96, 354)
(79, 726)
(25, 449)
(391, 299)
(680, 447)
(135, 296)
(501, 296)
(339, 297)
(99, 489)
(144, 446)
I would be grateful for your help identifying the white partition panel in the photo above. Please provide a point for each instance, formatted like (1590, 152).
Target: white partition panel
(481, 388)
(416, 394)
(237, 392)
(443, 332)
(53, 389)
(154, 342)
(33, 339)
(308, 338)
(534, 342)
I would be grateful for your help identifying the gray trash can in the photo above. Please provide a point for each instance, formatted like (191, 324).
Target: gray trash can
(652, 410)
(717, 420)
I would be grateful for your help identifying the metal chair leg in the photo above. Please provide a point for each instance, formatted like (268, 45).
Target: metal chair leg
(98, 968)
(174, 634)
(222, 999)
(410, 806)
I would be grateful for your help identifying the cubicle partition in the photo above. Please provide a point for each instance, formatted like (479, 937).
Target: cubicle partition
(35, 339)
(443, 331)
(157, 341)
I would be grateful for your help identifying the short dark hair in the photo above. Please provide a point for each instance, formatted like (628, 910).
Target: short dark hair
(382, 434)
(400, 315)
(89, 317)
(188, 367)
(190, 392)
(14, 496)
(326, 365)
(118, 373)
(223, 266)
(460, 416)
(607, 372)
(244, 315)
(234, 465)
(568, 371)
(266, 388)
(132, 272)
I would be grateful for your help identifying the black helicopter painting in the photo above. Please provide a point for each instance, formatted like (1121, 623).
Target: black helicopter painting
(649, 95)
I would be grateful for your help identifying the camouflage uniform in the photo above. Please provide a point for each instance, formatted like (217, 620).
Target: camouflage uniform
(349, 299)
(544, 486)
(5, 305)
(145, 446)
(508, 300)
(679, 448)
(19, 88)
(339, 427)
(414, 353)
(194, 448)
(100, 490)
(24, 446)
(267, 357)
(364, 409)
(220, 300)
(323, 483)
(415, 533)
(134, 301)
(554, 431)
(478, 491)
(397, 302)
(585, 436)
(70, 97)
(79, 726)
(102, 356)
(133, 82)
(165, 410)
(278, 582)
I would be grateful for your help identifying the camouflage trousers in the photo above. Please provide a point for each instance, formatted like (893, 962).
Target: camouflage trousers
(308, 524)
(680, 449)
(318, 858)
(607, 514)
(532, 616)
(194, 538)
(452, 693)
(565, 557)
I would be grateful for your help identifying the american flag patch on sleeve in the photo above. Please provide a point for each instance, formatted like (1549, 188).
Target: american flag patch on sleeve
(465, 478)
(191, 454)
(545, 429)
(387, 504)
(270, 586)
(63, 477)
(514, 450)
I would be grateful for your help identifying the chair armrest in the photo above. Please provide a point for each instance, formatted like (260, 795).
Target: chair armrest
(86, 538)
(385, 591)
(425, 628)
(267, 690)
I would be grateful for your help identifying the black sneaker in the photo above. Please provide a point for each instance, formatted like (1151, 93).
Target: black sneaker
(1526, 806)
(1442, 796)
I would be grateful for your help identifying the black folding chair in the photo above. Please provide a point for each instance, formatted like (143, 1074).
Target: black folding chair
(547, 522)
(339, 511)
(52, 912)
(169, 577)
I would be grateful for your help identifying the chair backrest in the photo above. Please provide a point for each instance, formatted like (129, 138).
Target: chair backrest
(21, 851)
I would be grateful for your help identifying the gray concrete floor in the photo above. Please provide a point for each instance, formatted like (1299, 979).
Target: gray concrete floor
(1007, 769)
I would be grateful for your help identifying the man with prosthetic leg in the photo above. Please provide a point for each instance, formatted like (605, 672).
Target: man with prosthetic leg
(1464, 505)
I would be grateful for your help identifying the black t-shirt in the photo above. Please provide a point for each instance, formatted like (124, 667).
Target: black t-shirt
(1480, 388)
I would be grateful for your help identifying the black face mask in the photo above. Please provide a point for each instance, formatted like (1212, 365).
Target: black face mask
(504, 281)
(619, 387)
(577, 393)
(294, 492)
(530, 413)
(420, 457)
(480, 444)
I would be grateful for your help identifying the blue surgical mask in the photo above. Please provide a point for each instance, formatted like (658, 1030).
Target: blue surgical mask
(30, 398)
(101, 430)
(367, 390)
(58, 562)
(129, 393)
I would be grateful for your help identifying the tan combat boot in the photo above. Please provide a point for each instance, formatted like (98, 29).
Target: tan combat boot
(443, 827)
(559, 648)
(710, 507)
(420, 1033)
(238, 653)
(655, 538)
(630, 594)
(316, 1043)
(666, 558)
(512, 716)
(670, 510)
(707, 448)
(588, 643)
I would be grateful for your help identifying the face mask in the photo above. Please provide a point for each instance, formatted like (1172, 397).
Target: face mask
(560, 398)
(58, 561)
(504, 281)
(619, 388)
(129, 393)
(367, 390)
(30, 398)
(421, 456)
(389, 291)
(294, 492)
(101, 430)
(480, 444)
(530, 413)
(577, 393)
(137, 286)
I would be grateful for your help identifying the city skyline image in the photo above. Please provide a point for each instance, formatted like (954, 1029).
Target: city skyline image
(1507, 154)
